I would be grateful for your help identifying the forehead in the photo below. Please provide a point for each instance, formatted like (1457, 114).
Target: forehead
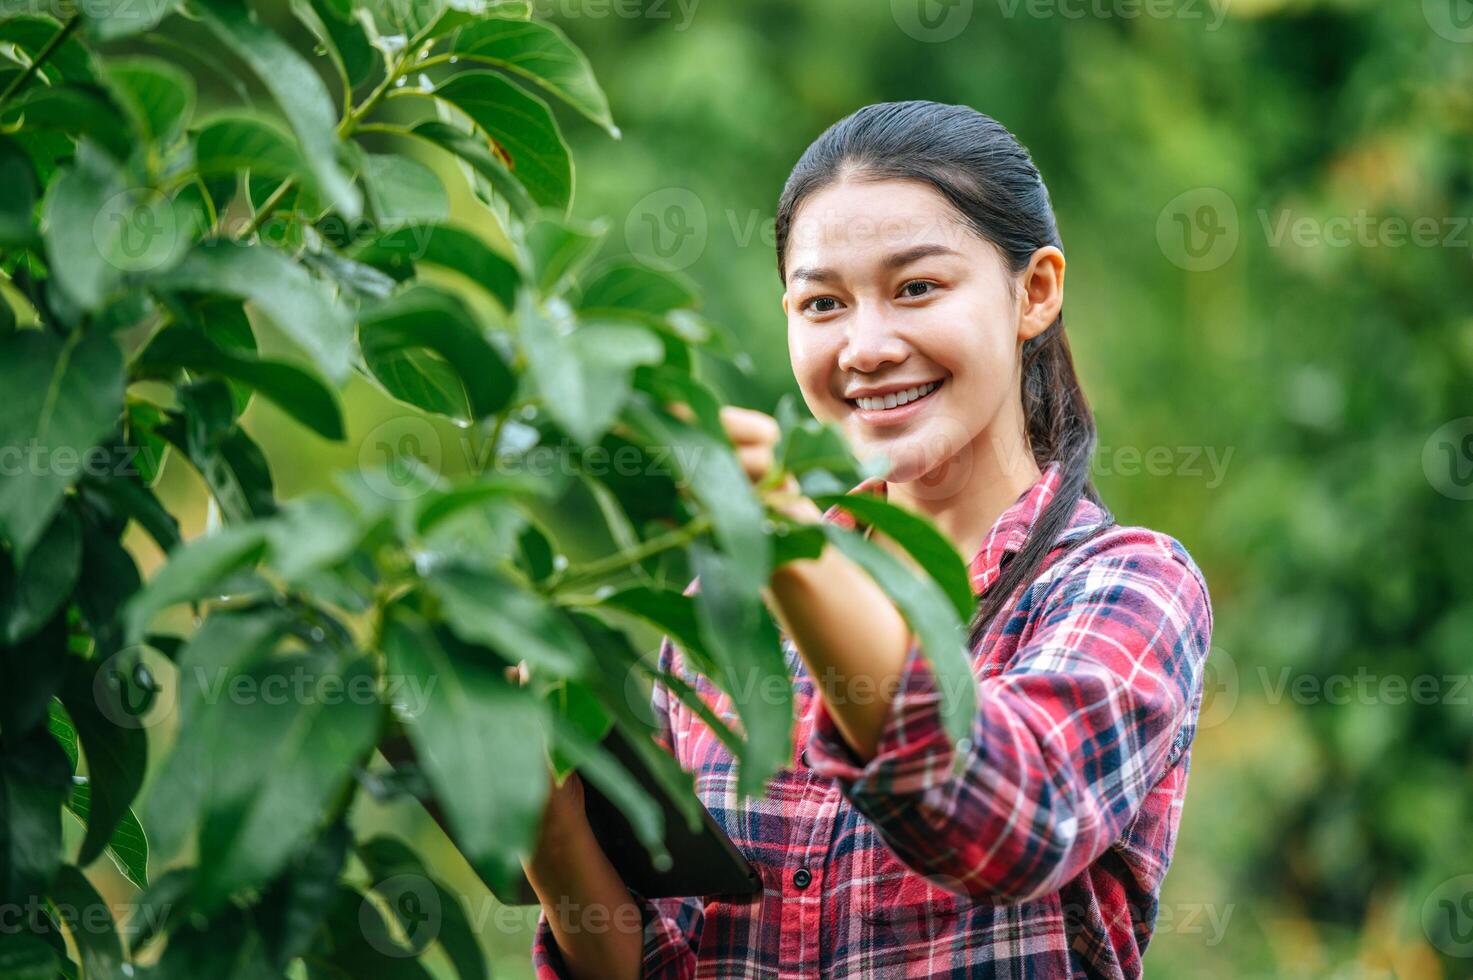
(852, 222)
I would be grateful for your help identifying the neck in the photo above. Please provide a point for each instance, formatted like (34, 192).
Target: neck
(965, 506)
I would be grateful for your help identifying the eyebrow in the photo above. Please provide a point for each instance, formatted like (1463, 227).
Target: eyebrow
(895, 260)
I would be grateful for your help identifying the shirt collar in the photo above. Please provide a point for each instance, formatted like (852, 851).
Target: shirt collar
(1011, 528)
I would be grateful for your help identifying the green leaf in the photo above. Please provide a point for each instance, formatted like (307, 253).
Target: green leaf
(456, 249)
(302, 307)
(558, 249)
(116, 750)
(426, 318)
(126, 495)
(232, 142)
(33, 672)
(128, 846)
(34, 780)
(541, 53)
(310, 534)
(717, 480)
(469, 713)
(89, 920)
(402, 191)
(226, 947)
(931, 550)
(355, 942)
(674, 613)
(70, 61)
(44, 582)
(296, 87)
(293, 906)
(24, 956)
(157, 96)
(439, 505)
(229, 644)
(17, 195)
(297, 392)
(747, 648)
(303, 754)
(78, 236)
(112, 21)
(932, 617)
(397, 872)
(476, 153)
(343, 37)
(229, 461)
(62, 397)
(627, 285)
(81, 110)
(486, 607)
(194, 571)
(583, 373)
(522, 126)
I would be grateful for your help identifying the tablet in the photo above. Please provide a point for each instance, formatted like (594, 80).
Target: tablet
(703, 862)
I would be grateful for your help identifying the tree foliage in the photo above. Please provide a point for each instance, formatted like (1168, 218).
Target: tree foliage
(183, 183)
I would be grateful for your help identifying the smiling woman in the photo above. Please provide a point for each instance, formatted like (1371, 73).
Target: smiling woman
(924, 287)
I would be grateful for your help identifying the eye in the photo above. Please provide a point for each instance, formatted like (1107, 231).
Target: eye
(808, 304)
(908, 291)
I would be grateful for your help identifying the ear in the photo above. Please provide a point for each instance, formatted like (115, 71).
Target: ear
(1042, 295)
(785, 302)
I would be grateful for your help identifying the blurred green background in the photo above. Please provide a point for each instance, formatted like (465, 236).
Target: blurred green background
(1265, 207)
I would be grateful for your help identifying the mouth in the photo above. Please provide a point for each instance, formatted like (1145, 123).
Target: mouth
(895, 406)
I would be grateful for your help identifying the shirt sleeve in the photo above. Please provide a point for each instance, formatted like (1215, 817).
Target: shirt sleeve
(1069, 737)
(672, 926)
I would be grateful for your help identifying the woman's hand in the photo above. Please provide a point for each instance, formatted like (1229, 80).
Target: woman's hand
(755, 436)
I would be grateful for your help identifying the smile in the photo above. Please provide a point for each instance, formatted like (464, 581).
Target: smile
(895, 399)
(894, 407)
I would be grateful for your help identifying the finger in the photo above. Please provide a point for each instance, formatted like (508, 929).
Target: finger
(756, 460)
(745, 425)
(681, 411)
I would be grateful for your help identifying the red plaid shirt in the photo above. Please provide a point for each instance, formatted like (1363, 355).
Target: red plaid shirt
(1036, 850)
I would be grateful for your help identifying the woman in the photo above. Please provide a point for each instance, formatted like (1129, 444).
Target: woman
(924, 282)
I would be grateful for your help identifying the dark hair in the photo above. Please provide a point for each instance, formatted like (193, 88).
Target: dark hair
(988, 176)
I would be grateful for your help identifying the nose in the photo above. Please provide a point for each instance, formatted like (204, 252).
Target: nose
(870, 343)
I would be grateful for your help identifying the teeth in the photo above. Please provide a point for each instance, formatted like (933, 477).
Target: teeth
(897, 398)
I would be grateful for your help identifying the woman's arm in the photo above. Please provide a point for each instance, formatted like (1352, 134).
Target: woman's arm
(597, 925)
(1067, 742)
(596, 930)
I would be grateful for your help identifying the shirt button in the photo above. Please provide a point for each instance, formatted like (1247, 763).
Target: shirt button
(806, 763)
(801, 878)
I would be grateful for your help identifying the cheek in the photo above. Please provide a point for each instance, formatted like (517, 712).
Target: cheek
(813, 359)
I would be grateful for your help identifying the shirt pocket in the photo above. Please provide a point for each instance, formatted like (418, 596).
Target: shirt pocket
(902, 907)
